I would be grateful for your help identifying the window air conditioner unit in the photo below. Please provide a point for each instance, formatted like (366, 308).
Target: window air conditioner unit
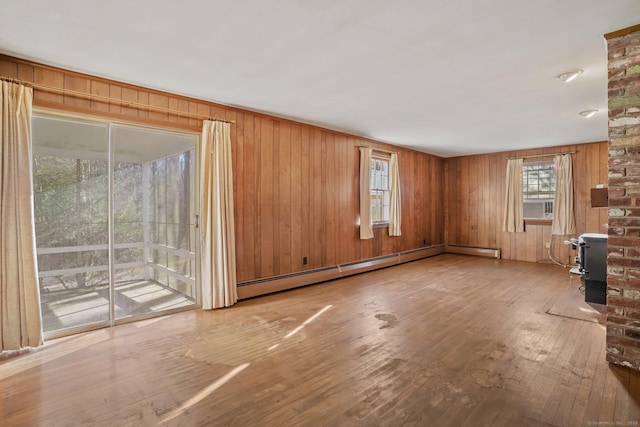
(538, 209)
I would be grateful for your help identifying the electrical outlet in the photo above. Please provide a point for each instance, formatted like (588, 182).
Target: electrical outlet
(304, 260)
(547, 245)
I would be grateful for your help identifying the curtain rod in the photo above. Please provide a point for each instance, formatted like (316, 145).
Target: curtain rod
(378, 149)
(540, 155)
(108, 99)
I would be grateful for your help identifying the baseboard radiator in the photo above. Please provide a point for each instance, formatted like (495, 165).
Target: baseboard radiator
(253, 288)
(472, 250)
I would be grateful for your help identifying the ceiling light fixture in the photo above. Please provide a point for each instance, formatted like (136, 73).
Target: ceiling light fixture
(588, 113)
(567, 76)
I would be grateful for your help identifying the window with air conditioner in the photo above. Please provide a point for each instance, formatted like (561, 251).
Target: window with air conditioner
(539, 189)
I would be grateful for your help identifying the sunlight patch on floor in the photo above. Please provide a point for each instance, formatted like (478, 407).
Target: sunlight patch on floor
(204, 393)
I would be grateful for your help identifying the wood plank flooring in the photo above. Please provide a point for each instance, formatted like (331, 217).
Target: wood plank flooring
(446, 341)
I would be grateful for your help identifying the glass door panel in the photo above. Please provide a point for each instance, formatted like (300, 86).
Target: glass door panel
(114, 214)
(153, 211)
(70, 184)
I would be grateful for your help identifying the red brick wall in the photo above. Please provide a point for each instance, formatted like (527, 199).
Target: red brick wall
(623, 262)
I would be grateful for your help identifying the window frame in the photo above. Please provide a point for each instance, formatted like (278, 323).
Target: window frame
(111, 123)
(542, 196)
(374, 193)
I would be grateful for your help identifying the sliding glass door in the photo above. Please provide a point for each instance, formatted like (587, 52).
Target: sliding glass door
(71, 187)
(153, 221)
(115, 234)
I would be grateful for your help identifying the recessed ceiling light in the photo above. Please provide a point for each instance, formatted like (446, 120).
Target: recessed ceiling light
(567, 76)
(588, 113)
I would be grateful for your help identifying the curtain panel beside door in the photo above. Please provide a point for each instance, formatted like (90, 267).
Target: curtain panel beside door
(218, 266)
(20, 319)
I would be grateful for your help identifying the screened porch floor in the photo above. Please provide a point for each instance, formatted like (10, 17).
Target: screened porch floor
(67, 308)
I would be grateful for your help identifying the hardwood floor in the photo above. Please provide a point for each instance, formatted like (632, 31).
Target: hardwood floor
(446, 341)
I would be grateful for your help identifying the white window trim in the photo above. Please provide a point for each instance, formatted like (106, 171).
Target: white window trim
(386, 158)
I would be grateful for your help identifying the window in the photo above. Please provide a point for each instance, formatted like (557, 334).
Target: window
(538, 189)
(380, 196)
(380, 190)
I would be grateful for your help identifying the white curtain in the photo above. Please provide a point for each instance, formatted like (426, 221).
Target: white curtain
(20, 320)
(218, 252)
(564, 221)
(395, 214)
(513, 209)
(366, 224)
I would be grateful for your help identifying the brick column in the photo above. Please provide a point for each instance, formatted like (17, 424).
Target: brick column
(623, 261)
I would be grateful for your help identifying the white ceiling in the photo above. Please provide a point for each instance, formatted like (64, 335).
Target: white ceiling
(445, 77)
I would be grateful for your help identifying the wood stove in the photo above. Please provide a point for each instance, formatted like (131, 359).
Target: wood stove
(592, 260)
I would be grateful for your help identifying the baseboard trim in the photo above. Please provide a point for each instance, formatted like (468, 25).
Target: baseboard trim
(368, 264)
(267, 285)
(473, 250)
(426, 252)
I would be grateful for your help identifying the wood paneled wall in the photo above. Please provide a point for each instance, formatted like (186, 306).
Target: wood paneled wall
(475, 203)
(297, 196)
(296, 186)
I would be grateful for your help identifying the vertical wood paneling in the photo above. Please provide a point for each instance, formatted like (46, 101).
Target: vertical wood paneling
(256, 218)
(275, 196)
(354, 163)
(474, 201)
(131, 95)
(217, 111)
(25, 72)
(482, 191)
(465, 176)
(480, 229)
(342, 187)
(162, 101)
(296, 186)
(284, 182)
(306, 199)
(193, 109)
(245, 249)
(49, 78)
(531, 243)
(100, 89)
(238, 169)
(174, 104)
(436, 227)
(329, 198)
(267, 221)
(183, 105)
(540, 251)
(296, 198)
(581, 187)
(115, 93)
(8, 68)
(315, 170)
(143, 113)
(77, 84)
(460, 204)
(418, 222)
(494, 204)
